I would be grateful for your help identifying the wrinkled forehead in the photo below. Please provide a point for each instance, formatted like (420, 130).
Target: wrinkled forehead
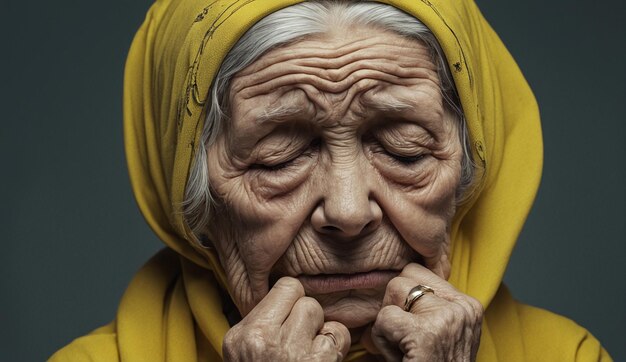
(337, 78)
(356, 73)
(329, 35)
(336, 59)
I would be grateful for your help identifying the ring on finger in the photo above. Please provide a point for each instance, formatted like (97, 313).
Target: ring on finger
(416, 293)
(332, 337)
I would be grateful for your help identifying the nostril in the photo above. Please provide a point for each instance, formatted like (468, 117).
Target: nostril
(330, 228)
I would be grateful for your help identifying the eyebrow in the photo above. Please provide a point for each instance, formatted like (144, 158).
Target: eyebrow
(277, 114)
(396, 106)
(282, 113)
(389, 105)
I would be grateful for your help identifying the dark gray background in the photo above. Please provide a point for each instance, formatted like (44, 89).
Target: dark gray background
(73, 237)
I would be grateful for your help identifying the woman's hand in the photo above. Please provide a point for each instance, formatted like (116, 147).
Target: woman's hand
(444, 326)
(286, 326)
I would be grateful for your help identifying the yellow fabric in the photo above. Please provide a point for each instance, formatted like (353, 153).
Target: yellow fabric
(172, 308)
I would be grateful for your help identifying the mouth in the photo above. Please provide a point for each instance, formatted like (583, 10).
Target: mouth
(331, 283)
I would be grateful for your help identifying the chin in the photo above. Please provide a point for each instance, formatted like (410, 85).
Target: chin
(351, 309)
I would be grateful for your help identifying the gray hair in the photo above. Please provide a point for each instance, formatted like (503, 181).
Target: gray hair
(286, 26)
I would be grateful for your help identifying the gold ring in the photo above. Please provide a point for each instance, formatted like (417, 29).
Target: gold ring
(415, 294)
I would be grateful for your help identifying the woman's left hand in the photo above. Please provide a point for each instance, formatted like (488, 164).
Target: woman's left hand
(440, 326)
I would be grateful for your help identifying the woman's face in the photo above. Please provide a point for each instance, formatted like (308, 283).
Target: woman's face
(338, 166)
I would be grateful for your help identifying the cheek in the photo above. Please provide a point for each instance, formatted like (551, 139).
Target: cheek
(422, 216)
(262, 226)
(251, 232)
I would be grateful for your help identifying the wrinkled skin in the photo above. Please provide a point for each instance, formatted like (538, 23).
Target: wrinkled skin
(337, 172)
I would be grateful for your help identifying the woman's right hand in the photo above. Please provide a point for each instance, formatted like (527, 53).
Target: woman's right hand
(286, 326)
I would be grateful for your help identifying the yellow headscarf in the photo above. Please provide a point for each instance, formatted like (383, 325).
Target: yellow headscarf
(172, 309)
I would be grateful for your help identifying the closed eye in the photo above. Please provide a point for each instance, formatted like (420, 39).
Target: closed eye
(407, 160)
(276, 167)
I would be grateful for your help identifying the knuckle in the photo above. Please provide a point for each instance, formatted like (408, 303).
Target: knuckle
(450, 316)
(458, 310)
(394, 284)
(231, 336)
(229, 351)
(471, 303)
(394, 290)
(250, 340)
(311, 306)
(254, 341)
(477, 307)
(289, 283)
(310, 303)
(474, 310)
(411, 268)
(385, 313)
(386, 316)
(229, 345)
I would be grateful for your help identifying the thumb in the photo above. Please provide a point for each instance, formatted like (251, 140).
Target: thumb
(339, 335)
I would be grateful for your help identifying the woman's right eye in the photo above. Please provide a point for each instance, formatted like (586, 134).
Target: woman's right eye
(292, 162)
(274, 167)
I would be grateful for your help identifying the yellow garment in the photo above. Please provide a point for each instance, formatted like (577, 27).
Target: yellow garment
(172, 309)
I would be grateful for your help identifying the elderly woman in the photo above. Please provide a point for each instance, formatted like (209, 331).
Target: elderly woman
(335, 180)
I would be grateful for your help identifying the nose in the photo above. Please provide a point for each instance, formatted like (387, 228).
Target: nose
(347, 210)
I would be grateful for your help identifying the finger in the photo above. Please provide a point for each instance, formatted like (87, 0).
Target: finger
(387, 332)
(333, 340)
(277, 304)
(472, 312)
(412, 275)
(427, 302)
(367, 342)
(475, 341)
(304, 321)
(425, 276)
(398, 290)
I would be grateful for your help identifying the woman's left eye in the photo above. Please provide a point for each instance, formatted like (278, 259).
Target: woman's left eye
(407, 160)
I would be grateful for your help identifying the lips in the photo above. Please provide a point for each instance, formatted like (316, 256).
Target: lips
(331, 283)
